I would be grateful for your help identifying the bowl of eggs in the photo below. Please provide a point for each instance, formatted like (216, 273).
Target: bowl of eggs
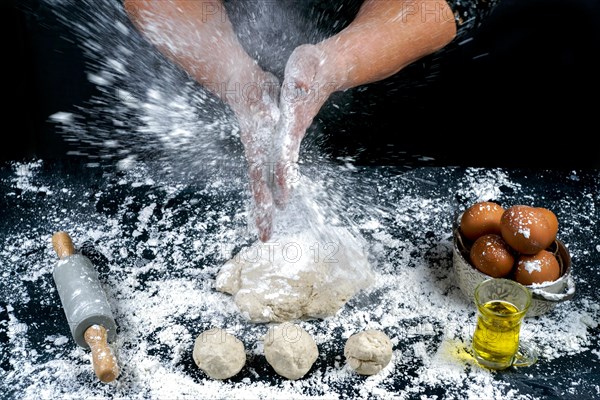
(518, 243)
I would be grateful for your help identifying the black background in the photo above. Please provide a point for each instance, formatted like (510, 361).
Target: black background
(529, 101)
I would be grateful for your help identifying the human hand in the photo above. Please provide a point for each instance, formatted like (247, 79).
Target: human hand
(257, 114)
(272, 133)
(306, 87)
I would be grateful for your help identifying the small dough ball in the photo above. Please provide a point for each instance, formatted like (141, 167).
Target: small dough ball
(491, 255)
(219, 354)
(480, 219)
(290, 350)
(368, 352)
(538, 268)
(527, 229)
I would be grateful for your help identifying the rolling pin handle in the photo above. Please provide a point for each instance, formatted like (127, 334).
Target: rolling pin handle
(63, 245)
(103, 360)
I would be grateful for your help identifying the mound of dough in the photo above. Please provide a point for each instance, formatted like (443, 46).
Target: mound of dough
(296, 277)
(368, 352)
(219, 354)
(290, 350)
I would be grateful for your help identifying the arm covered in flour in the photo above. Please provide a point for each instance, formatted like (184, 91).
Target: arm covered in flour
(199, 37)
(385, 37)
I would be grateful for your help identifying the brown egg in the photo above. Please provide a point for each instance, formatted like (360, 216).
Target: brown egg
(526, 229)
(537, 268)
(552, 220)
(480, 219)
(491, 255)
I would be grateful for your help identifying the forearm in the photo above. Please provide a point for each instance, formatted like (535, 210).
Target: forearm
(198, 36)
(386, 36)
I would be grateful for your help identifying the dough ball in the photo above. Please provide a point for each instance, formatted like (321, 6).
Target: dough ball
(219, 354)
(368, 352)
(296, 276)
(290, 350)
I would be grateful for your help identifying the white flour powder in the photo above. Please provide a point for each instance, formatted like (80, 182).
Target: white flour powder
(159, 246)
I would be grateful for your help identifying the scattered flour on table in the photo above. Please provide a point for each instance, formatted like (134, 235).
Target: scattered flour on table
(160, 284)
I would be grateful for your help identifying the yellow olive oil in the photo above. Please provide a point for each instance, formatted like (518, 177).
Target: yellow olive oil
(496, 337)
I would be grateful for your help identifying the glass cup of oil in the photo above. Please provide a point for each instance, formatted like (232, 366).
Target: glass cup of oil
(502, 305)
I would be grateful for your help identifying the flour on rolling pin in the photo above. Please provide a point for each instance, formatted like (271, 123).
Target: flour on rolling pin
(86, 307)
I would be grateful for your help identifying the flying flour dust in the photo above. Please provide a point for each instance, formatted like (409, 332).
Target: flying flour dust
(162, 226)
(146, 109)
(149, 113)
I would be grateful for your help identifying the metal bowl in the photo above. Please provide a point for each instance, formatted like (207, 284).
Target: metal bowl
(545, 296)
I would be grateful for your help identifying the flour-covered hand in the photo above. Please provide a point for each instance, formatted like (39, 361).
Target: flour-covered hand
(305, 89)
(258, 116)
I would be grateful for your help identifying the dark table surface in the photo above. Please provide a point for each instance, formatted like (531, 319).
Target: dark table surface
(158, 239)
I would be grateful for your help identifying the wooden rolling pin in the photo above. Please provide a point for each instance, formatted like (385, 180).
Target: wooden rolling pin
(86, 307)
